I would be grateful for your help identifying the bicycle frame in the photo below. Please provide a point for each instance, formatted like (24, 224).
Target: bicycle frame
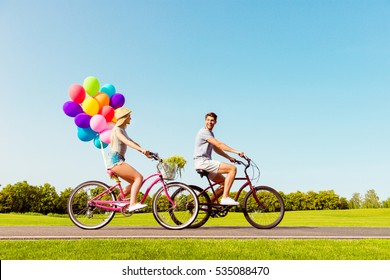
(246, 178)
(103, 203)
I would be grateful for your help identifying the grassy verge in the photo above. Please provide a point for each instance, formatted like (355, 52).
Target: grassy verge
(195, 249)
(350, 218)
(190, 249)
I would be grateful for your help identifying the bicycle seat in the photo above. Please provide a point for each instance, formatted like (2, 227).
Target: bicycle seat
(112, 175)
(110, 172)
(202, 172)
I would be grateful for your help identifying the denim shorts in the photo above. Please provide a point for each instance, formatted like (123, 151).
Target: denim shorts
(116, 159)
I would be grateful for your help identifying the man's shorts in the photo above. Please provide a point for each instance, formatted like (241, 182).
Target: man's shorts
(208, 165)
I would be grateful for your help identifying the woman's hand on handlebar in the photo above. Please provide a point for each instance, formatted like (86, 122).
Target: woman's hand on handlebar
(154, 156)
(146, 153)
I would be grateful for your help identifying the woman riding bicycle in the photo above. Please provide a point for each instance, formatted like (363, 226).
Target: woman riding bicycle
(205, 143)
(119, 143)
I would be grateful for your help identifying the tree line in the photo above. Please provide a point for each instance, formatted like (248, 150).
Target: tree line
(23, 198)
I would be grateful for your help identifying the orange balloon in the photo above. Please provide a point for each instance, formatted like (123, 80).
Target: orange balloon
(103, 99)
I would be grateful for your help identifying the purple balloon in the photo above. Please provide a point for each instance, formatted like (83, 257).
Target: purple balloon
(72, 109)
(82, 120)
(117, 100)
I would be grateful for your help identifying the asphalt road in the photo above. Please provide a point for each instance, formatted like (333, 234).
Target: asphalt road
(73, 232)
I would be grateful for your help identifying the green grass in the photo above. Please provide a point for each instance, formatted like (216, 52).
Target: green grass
(350, 218)
(195, 249)
(191, 249)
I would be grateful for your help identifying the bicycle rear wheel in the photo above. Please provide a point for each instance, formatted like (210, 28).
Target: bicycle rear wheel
(204, 207)
(266, 214)
(84, 214)
(180, 214)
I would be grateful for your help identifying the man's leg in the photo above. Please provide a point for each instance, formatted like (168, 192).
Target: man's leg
(219, 179)
(230, 171)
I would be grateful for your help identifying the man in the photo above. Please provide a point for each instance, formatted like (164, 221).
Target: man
(205, 143)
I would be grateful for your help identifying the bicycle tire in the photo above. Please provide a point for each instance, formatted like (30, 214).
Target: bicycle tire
(183, 214)
(204, 208)
(267, 215)
(86, 216)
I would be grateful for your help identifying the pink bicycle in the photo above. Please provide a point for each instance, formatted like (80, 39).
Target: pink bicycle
(93, 204)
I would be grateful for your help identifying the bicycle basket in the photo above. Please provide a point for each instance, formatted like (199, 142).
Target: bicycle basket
(168, 170)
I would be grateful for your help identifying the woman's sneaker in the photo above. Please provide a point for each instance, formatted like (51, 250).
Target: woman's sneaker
(138, 206)
(120, 203)
(229, 201)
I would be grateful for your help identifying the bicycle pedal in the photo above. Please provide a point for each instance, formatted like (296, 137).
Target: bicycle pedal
(213, 214)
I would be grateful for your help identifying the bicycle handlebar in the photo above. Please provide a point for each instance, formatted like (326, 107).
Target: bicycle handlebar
(155, 156)
(243, 163)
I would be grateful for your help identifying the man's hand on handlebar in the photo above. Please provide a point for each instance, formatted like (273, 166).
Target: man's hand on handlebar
(232, 159)
(242, 154)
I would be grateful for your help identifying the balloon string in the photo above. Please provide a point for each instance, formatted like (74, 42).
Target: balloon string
(104, 156)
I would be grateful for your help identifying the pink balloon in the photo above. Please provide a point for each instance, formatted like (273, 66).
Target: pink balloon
(98, 123)
(110, 125)
(105, 136)
(77, 93)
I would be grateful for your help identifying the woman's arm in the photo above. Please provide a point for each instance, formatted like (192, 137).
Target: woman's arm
(130, 143)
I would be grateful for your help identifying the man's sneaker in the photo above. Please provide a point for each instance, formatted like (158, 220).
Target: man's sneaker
(204, 207)
(138, 206)
(229, 201)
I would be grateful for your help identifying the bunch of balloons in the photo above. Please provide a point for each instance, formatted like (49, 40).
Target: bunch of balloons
(93, 109)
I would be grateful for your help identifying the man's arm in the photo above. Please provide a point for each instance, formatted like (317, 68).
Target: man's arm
(220, 147)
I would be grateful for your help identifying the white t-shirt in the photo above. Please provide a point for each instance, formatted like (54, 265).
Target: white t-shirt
(203, 148)
(117, 145)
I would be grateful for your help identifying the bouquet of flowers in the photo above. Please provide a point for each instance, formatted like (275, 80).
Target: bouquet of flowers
(172, 166)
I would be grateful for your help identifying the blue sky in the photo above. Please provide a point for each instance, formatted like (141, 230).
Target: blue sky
(301, 86)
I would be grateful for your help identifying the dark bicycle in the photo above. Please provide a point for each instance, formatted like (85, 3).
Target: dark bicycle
(263, 207)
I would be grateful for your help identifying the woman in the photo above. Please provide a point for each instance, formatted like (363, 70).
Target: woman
(119, 143)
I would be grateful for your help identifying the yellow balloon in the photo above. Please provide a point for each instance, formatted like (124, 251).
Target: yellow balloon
(90, 106)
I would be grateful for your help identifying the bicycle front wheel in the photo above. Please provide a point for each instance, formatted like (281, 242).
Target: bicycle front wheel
(176, 208)
(82, 212)
(264, 211)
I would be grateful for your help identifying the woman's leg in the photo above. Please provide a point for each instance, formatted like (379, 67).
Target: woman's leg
(133, 177)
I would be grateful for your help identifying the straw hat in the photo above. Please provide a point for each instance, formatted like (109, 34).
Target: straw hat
(121, 115)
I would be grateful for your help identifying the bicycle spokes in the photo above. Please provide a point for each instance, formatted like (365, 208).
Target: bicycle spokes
(175, 208)
(84, 211)
(263, 207)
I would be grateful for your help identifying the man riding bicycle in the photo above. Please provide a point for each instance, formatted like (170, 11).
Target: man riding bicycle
(205, 143)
